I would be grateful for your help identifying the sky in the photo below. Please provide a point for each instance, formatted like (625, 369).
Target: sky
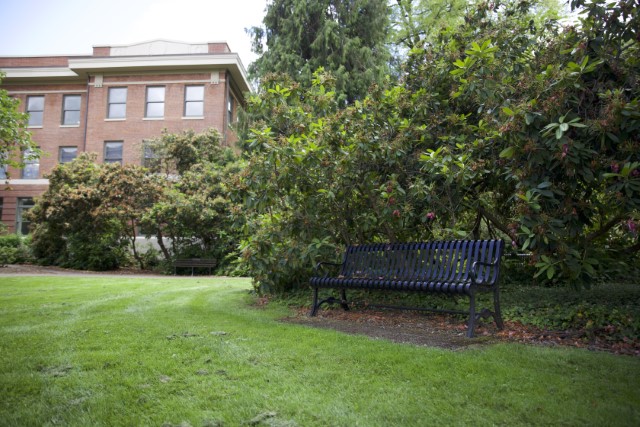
(73, 27)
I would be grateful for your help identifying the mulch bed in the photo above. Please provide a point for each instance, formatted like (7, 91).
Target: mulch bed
(449, 331)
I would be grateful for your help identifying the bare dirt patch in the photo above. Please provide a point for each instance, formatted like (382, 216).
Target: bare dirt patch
(416, 328)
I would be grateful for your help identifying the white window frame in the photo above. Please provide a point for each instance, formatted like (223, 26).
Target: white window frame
(31, 111)
(66, 110)
(30, 165)
(113, 160)
(110, 102)
(149, 102)
(61, 149)
(188, 102)
(23, 205)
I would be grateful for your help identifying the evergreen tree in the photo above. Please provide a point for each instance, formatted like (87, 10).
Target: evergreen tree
(347, 38)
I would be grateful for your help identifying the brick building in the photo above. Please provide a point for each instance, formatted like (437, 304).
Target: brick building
(110, 102)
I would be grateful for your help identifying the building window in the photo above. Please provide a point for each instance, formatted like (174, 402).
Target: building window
(117, 103)
(31, 167)
(67, 154)
(3, 167)
(35, 109)
(113, 152)
(71, 110)
(155, 102)
(230, 105)
(194, 101)
(22, 223)
(150, 158)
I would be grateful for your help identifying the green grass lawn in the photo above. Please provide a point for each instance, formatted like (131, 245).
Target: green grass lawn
(193, 351)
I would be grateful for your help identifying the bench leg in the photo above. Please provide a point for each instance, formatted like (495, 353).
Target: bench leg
(331, 300)
(472, 315)
(497, 316)
(344, 303)
(314, 309)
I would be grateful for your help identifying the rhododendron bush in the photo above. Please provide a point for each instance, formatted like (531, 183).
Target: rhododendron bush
(498, 128)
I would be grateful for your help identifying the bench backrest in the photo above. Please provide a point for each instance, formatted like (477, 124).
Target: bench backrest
(432, 261)
(194, 262)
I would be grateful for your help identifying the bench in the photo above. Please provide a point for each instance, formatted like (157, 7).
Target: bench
(460, 267)
(193, 263)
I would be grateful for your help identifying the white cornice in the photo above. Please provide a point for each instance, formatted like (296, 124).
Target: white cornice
(230, 61)
(39, 73)
(25, 181)
(154, 60)
(81, 68)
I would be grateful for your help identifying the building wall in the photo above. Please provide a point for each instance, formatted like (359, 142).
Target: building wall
(52, 134)
(96, 128)
(133, 129)
(9, 199)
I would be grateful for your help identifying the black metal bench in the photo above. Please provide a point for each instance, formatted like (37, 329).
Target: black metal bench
(460, 267)
(193, 263)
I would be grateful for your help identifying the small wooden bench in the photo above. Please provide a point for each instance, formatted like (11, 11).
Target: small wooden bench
(193, 263)
(460, 267)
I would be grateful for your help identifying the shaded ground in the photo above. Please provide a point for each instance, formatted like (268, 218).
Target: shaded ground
(412, 327)
(399, 326)
(447, 331)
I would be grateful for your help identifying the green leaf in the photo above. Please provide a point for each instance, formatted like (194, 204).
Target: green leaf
(529, 118)
(551, 272)
(542, 270)
(508, 111)
(507, 153)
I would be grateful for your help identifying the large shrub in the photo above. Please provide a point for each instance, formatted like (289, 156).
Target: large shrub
(13, 249)
(195, 212)
(500, 128)
(87, 217)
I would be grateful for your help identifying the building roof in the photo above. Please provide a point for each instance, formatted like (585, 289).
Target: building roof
(155, 55)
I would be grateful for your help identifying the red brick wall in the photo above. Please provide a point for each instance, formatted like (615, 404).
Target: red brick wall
(40, 61)
(135, 128)
(219, 48)
(132, 131)
(52, 135)
(10, 196)
(101, 51)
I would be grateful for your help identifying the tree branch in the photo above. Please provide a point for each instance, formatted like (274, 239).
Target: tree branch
(604, 229)
(497, 223)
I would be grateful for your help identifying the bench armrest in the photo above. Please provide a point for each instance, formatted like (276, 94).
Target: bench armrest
(320, 264)
(474, 269)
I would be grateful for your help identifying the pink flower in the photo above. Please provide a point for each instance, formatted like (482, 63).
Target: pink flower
(632, 227)
(635, 173)
(396, 213)
(431, 216)
(615, 168)
(565, 150)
